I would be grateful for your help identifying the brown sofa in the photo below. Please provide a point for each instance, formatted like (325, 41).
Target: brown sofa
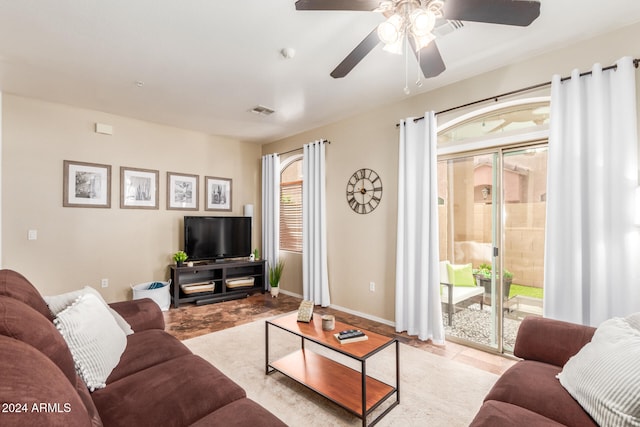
(528, 393)
(158, 381)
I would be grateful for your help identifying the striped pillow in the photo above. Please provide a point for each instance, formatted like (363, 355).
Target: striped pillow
(604, 377)
(94, 338)
(57, 303)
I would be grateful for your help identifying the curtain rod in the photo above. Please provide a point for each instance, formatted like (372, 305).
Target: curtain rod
(298, 149)
(636, 63)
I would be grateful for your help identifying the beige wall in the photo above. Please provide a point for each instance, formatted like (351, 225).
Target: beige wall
(80, 246)
(361, 248)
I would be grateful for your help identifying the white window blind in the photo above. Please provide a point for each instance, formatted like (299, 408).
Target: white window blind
(291, 207)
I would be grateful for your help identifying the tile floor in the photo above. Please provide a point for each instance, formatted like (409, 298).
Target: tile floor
(189, 321)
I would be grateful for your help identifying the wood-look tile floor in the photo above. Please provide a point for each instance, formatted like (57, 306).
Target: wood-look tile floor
(190, 321)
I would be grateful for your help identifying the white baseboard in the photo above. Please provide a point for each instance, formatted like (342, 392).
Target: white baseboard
(347, 310)
(291, 294)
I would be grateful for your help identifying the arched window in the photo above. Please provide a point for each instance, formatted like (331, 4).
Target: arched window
(495, 125)
(291, 205)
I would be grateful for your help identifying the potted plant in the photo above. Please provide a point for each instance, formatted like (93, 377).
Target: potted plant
(256, 254)
(275, 273)
(180, 257)
(483, 276)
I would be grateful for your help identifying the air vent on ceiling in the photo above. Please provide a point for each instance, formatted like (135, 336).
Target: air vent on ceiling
(447, 27)
(262, 110)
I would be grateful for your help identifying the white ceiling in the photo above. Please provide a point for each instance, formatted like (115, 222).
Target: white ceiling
(205, 63)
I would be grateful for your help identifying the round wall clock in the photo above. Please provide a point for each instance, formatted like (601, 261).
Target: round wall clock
(364, 191)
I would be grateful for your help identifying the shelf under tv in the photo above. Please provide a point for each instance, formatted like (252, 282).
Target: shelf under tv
(217, 273)
(227, 296)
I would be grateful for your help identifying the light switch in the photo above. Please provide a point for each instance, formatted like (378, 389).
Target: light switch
(32, 235)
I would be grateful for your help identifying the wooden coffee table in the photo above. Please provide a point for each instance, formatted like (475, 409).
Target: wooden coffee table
(353, 390)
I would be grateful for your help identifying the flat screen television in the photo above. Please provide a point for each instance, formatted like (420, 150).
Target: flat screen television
(217, 237)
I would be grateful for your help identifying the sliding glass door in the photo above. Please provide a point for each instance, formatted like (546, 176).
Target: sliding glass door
(524, 205)
(492, 215)
(467, 218)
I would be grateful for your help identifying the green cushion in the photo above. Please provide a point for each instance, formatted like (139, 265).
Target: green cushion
(461, 274)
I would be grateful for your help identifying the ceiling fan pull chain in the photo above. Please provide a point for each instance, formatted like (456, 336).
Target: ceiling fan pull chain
(406, 65)
(419, 81)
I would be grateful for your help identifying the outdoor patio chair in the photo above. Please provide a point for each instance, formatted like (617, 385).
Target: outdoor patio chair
(458, 287)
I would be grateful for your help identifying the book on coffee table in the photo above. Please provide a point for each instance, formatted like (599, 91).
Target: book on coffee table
(345, 337)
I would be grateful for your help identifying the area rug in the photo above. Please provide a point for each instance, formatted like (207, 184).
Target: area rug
(434, 391)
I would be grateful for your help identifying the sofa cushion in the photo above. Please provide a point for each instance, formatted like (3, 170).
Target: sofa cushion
(146, 349)
(15, 285)
(141, 314)
(500, 414)
(175, 393)
(33, 381)
(559, 341)
(533, 385)
(20, 321)
(57, 303)
(604, 377)
(240, 413)
(94, 338)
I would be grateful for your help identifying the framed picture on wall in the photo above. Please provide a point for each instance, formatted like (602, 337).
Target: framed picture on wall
(86, 185)
(138, 188)
(218, 193)
(182, 191)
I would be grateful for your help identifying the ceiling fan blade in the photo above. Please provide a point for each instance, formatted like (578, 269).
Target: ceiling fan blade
(507, 12)
(431, 62)
(364, 5)
(356, 55)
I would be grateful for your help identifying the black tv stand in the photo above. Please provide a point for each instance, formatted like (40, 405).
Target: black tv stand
(217, 273)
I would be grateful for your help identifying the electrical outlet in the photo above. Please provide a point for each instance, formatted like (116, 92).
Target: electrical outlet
(372, 286)
(104, 283)
(32, 235)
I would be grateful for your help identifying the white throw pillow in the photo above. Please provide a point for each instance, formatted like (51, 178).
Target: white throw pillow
(57, 303)
(94, 338)
(604, 377)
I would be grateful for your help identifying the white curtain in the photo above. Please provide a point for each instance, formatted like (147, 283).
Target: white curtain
(271, 209)
(591, 256)
(315, 276)
(418, 309)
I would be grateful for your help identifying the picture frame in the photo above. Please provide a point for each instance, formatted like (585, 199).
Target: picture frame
(86, 185)
(219, 193)
(138, 188)
(182, 191)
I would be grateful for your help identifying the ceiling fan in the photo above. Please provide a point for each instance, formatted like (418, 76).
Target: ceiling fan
(412, 21)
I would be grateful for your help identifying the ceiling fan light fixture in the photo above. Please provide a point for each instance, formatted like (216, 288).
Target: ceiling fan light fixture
(396, 47)
(389, 31)
(410, 19)
(422, 22)
(423, 41)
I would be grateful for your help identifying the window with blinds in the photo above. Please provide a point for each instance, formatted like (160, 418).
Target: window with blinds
(291, 207)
